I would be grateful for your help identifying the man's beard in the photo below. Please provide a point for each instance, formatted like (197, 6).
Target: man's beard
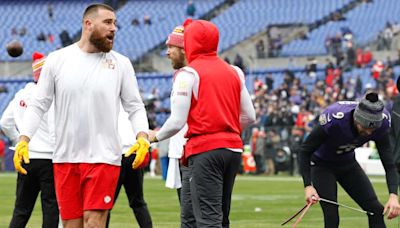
(179, 63)
(100, 42)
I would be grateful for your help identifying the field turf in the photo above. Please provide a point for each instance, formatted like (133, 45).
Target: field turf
(257, 202)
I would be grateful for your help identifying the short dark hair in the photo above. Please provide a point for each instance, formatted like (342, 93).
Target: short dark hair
(93, 8)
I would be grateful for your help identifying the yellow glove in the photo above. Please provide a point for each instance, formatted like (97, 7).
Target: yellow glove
(21, 154)
(141, 149)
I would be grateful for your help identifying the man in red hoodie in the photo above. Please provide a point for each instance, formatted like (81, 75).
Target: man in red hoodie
(211, 96)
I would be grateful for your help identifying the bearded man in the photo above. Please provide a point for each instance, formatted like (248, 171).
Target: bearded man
(87, 82)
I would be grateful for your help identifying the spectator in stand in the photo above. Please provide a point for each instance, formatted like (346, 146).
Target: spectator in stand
(259, 150)
(14, 32)
(288, 77)
(269, 153)
(302, 35)
(380, 42)
(190, 9)
(349, 90)
(338, 72)
(350, 55)
(295, 95)
(253, 138)
(227, 60)
(311, 67)
(391, 90)
(273, 138)
(376, 69)
(337, 16)
(296, 138)
(269, 82)
(347, 33)
(23, 31)
(328, 44)
(41, 37)
(65, 38)
(50, 11)
(50, 38)
(387, 37)
(135, 22)
(330, 77)
(147, 20)
(389, 73)
(367, 56)
(239, 62)
(336, 43)
(302, 118)
(282, 160)
(258, 85)
(389, 61)
(358, 86)
(396, 62)
(277, 44)
(260, 49)
(359, 57)
(329, 65)
(3, 89)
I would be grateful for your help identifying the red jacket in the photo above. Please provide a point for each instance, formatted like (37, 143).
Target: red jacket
(214, 116)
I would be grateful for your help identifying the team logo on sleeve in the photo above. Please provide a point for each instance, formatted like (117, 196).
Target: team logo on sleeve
(322, 119)
(182, 85)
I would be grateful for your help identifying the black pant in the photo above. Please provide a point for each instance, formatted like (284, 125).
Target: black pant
(211, 184)
(354, 181)
(132, 179)
(187, 216)
(40, 178)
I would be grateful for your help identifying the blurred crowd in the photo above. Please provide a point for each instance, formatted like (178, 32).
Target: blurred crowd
(286, 113)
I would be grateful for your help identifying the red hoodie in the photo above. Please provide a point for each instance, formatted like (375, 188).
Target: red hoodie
(214, 116)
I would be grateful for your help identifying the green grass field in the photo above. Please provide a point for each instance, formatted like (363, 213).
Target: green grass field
(277, 197)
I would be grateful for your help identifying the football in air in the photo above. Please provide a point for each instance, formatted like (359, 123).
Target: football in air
(14, 48)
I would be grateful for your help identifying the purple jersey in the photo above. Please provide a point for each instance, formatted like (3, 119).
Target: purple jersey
(337, 122)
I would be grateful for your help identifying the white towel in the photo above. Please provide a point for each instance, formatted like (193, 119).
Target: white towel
(173, 175)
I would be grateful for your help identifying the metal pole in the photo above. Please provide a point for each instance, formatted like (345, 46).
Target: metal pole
(342, 205)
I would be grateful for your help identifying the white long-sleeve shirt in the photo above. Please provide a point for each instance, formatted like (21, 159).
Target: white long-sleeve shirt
(187, 82)
(87, 89)
(42, 143)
